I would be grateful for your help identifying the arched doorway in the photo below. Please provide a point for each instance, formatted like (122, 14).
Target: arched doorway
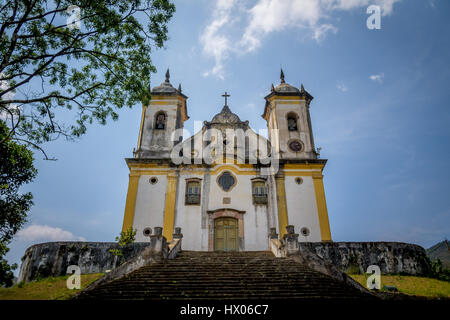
(226, 234)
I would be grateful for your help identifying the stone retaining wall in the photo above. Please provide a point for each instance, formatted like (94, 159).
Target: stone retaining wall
(51, 259)
(391, 257)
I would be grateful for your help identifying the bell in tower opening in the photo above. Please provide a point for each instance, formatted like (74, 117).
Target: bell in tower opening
(160, 121)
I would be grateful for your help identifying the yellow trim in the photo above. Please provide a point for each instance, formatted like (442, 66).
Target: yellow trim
(321, 206)
(162, 103)
(142, 126)
(184, 115)
(169, 209)
(304, 166)
(192, 173)
(298, 173)
(147, 165)
(275, 97)
(288, 102)
(231, 168)
(130, 203)
(242, 169)
(199, 171)
(283, 220)
(219, 170)
(162, 97)
(286, 97)
(151, 172)
(235, 162)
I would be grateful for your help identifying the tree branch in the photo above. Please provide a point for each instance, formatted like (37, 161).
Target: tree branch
(34, 145)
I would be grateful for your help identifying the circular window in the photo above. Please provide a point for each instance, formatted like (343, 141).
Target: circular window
(147, 232)
(296, 145)
(226, 181)
(298, 180)
(153, 180)
(304, 231)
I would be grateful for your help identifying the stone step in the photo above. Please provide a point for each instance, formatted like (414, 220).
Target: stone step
(229, 296)
(223, 284)
(219, 275)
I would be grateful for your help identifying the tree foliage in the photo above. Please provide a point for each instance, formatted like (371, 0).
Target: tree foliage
(16, 169)
(126, 238)
(6, 270)
(55, 78)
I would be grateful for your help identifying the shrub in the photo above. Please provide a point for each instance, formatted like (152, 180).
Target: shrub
(126, 237)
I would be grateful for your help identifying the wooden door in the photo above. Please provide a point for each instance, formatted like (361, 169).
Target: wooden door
(225, 234)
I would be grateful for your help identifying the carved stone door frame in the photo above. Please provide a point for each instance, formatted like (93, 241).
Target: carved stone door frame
(226, 212)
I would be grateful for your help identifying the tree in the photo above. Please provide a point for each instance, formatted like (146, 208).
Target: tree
(16, 169)
(6, 270)
(75, 59)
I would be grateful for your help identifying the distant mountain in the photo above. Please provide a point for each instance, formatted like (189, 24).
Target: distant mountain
(440, 250)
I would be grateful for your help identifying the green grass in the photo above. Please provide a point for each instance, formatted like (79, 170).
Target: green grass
(418, 286)
(45, 289)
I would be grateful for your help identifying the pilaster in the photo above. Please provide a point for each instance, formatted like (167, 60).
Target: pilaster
(169, 209)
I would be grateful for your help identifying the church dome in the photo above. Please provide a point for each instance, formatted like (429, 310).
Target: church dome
(226, 116)
(165, 87)
(286, 88)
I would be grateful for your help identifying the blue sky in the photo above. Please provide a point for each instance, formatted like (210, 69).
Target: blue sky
(380, 114)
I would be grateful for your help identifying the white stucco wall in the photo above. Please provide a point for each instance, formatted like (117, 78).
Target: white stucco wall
(302, 207)
(300, 199)
(189, 217)
(150, 201)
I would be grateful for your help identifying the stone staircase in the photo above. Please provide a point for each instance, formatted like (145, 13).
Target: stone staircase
(224, 275)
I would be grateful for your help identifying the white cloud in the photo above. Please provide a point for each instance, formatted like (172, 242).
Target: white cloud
(13, 108)
(46, 233)
(214, 43)
(341, 86)
(386, 5)
(377, 77)
(269, 16)
(320, 32)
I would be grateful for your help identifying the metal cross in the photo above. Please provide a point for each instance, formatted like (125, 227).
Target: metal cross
(226, 95)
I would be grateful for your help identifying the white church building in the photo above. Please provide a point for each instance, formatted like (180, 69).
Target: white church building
(226, 186)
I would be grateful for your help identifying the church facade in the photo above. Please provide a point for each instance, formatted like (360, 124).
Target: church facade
(227, 186)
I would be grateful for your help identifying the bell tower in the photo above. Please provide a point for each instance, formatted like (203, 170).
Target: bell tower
(289, 122)
(165, 113)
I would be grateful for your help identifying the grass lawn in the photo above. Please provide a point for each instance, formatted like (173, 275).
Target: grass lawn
(45, 289)
(418, 286)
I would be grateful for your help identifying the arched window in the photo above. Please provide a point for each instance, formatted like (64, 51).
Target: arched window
(193, 192)
(259, 192)
(160, 121)
(292, 122)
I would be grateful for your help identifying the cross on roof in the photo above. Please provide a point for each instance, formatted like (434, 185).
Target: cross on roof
(226, 95)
